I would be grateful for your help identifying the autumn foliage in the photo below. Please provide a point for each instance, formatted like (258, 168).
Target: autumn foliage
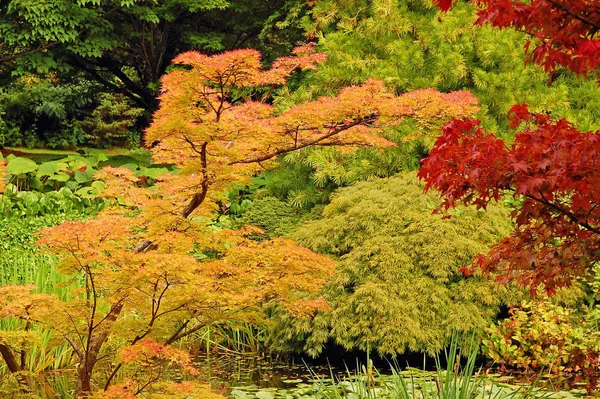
(551, 170)
(563, 32)
(153, 268)
(218, 131)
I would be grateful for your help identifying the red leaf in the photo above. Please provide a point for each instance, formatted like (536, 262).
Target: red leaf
(517, 114)
(444, 5)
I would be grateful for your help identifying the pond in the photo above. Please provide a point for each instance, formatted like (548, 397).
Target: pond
(252, 378)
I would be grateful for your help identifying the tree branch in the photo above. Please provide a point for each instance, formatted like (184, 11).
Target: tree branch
(565, 212)
(367, 119)
(574, 15)
(26, 53)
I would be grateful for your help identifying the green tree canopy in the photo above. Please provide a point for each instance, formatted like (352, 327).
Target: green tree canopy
(127, 44)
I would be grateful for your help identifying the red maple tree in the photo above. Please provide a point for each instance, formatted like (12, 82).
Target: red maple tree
(551, 170)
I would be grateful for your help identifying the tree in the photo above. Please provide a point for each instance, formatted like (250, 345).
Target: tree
(126, 45)
(563, 32)
(153, 268)
(397, 285)
(549, 169)
(224, 140)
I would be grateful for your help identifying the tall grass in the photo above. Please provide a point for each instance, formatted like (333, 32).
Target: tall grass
(22, 264)
(22, 267)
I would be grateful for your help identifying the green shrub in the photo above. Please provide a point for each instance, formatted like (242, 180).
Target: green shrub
(111, 122)
(37, 112)
(275, 217)
(397, 285)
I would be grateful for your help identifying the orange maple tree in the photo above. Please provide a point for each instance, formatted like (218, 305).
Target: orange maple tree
(155, 268)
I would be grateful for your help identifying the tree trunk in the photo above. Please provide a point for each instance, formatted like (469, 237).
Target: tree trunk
(90, 357)
(84, 380)
(14, 367)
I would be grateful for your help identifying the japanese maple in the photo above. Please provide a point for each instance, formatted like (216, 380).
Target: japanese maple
(218, 132)
(552, 172)
(550, 169)
(154, 266)
(564, 32)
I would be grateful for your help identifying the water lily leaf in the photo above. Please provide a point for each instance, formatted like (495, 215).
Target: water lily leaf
(265, 395)
(238, 394)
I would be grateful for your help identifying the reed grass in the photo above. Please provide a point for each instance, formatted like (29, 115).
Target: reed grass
(460, 378)
(22, 264)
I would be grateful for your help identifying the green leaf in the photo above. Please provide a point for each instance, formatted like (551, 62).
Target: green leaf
(61, 176)
(84, 177)
(86, 192)
(152, 172)
(48, 169)
(19, 166)
(98, 185)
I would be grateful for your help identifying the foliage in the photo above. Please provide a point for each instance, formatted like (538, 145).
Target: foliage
(126, 45)
(110, 123)
(201, 117)
(36, 112)
(156, 269)
(308, 177)
(37, 204)
(20, 264)
(74, 172)
(153, 275)
(275, 217)
(556, 236)
(540, 335)
(389, 247)
(411, 45)
(550, 169)
(563, 32)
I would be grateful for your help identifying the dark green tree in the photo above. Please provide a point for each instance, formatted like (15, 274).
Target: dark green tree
(126, 45)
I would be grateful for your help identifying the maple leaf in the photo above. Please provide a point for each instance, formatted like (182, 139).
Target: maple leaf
(552, 170)
(444, 5)
(517, 114)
